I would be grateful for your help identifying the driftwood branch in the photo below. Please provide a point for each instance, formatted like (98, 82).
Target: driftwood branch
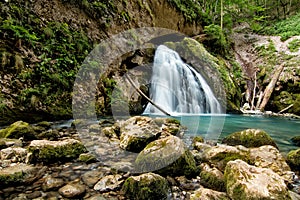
(269, 89)
(286, 108)
(145, 96)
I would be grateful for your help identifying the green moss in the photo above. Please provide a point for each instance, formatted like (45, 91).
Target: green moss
(8, 179)
(17, 130)
(249, 138)
(87, 158)
(293, 159)
(211, 181)
(148, 186)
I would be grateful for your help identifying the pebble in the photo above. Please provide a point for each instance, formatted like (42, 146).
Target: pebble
(72, 190)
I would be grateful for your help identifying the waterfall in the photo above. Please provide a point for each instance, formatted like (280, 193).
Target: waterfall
(178, 88)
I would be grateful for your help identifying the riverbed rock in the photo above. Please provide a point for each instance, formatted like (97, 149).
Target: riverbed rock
(293, 159)
(167, 156)
(249, 138)
(221, 154)
(19, 173)
(109, 183)
(147, 186)
(208, 194)
(14, 154)
(7, 142)
(137, 132)
(18, 130)
(52, 183)
(72, 190)
(54, 151)
(296, 140)
(244, 181)
(269, 157)
(212, 178)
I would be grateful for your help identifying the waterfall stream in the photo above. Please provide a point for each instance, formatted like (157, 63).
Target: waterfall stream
(178, 88)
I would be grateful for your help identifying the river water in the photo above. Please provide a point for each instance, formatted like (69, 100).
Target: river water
(279, 128)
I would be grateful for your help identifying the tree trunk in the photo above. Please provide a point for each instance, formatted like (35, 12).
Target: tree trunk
(269, 89)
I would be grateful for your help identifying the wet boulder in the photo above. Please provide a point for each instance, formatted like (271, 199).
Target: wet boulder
(18, 130)
(244, 181)
(53, 151)
(137, 132)
(296, 140)
(249, 138)
(147, 186)
(167, 156)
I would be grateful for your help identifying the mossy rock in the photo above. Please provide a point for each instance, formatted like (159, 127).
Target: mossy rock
(167, 156)
(53, 151)
(212, 178)
(87, 158)
(17, 130)
(293, 159)
(147, 186)
(249, 138)
(296, 140)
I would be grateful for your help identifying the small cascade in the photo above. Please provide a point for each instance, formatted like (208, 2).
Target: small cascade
(178, 88)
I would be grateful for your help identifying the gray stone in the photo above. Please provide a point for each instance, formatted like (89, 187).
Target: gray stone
(51, 183)
(109, 183)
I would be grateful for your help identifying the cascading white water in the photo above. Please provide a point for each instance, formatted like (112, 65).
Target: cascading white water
(177, 88)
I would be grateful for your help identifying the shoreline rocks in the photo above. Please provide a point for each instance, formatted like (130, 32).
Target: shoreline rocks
(63, 169)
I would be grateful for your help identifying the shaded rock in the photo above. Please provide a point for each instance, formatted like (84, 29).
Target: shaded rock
(244, 181)
(17, 130)
(7, 142)
(72, 190)
(167, 156)
(220, 155)
(137, 132)
(268, 157)
(212, 178)
(249, 138)
(52, 183)
(109, 183)
(293, 159)
(19, 174)
(296, 140)
(53, 151)
(147, 186)
(51, 134)
(111, 132)
(208, 194)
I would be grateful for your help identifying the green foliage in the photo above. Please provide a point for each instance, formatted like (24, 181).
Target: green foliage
(217, 41)
(285, 28)
(294, 45)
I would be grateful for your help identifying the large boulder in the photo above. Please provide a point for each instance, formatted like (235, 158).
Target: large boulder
(293, 159)
(244, 181)
(167, 156)
(147, 186)
(137, 132)
(18, 130)
(221, 154)
(249, 138)
(269, 157)
(53, 151)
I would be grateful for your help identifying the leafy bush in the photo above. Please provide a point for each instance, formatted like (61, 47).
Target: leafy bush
(216, 39)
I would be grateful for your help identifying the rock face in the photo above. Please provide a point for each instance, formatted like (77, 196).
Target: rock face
(167, 156)
(53, 151)
(147, 186)
(293, 159)
(17, 130)
(244, 181)
(249, 138)
(137, 132)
